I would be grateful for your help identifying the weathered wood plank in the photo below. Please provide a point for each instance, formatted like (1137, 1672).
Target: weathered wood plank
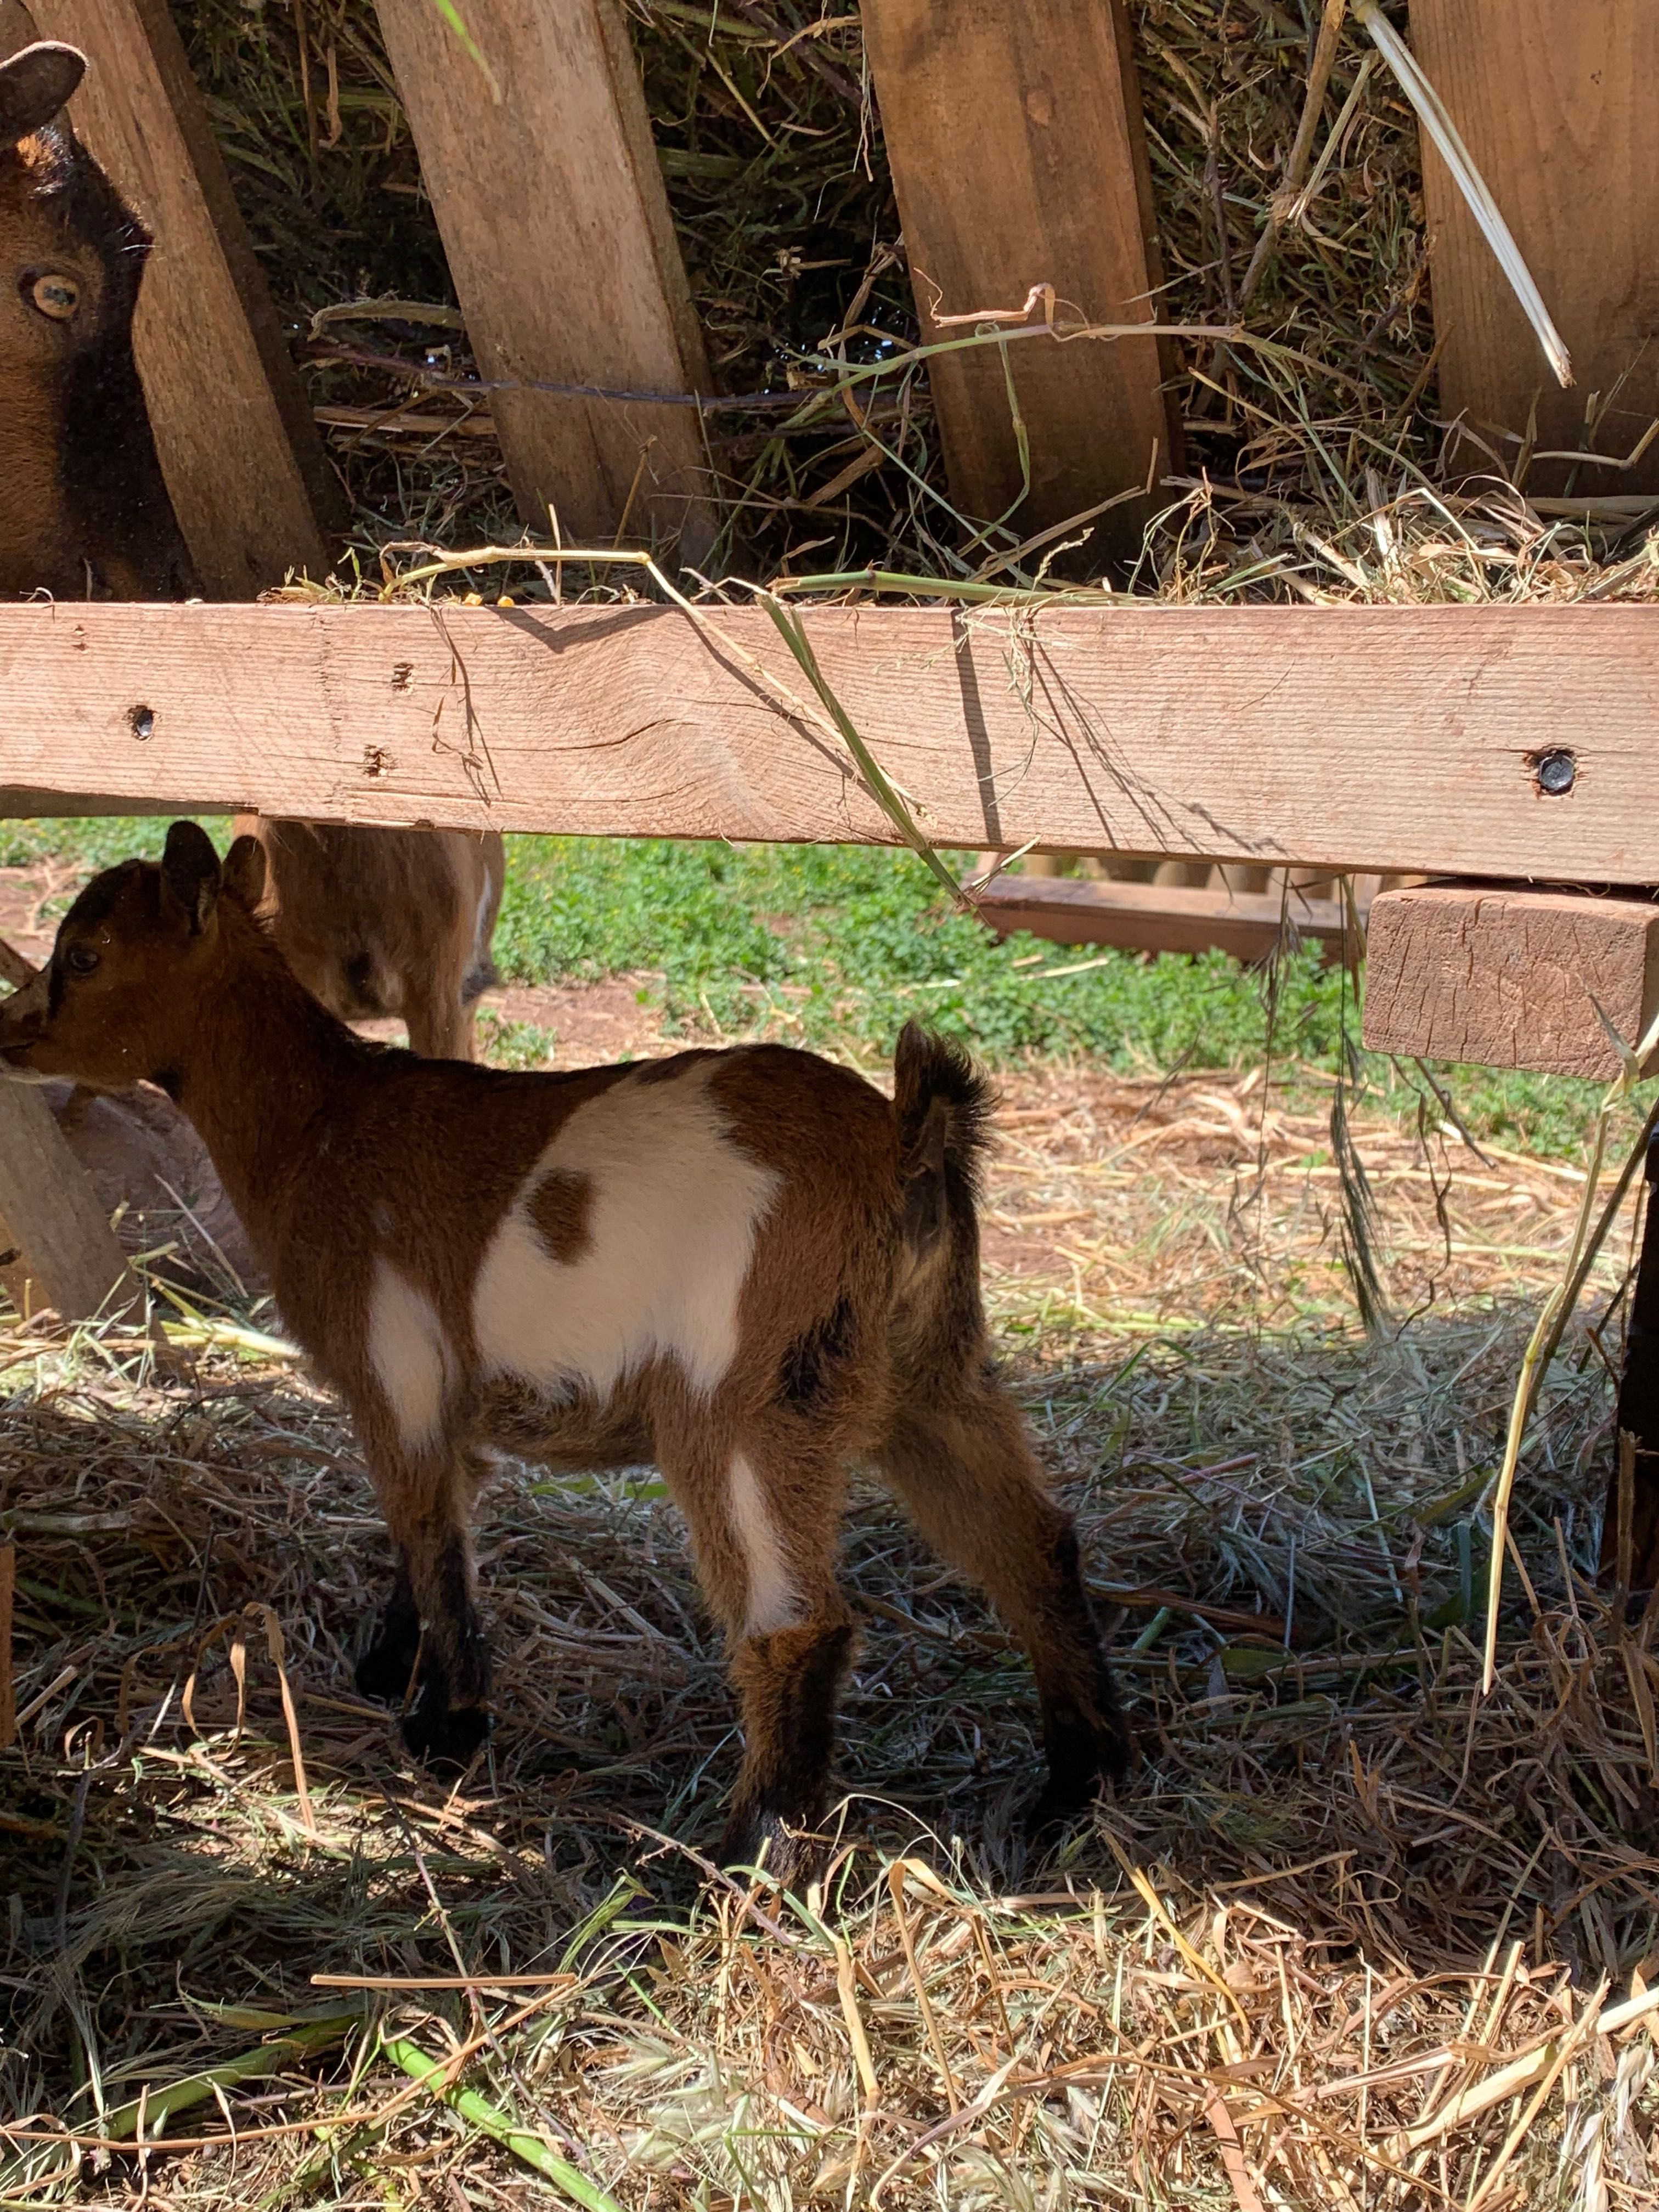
(1388, 740)
(1554, 100)
(1018, 159)
(57, 1247)
(1510, 978)
(232, 428)
(556, 222)
(1160, 917)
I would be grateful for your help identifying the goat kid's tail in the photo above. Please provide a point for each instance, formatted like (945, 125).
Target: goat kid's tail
(944, 1107)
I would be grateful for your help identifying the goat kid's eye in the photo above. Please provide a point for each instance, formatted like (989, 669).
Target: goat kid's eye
(80, 960)
(59, 298)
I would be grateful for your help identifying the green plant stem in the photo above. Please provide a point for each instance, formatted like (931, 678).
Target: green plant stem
(157, 2106)
(478, 2113)
(794, 633)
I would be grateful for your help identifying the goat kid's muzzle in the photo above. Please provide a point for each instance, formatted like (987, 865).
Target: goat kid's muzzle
(22, 1023)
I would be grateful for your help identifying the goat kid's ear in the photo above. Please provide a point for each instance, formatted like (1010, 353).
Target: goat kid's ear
(36, 85)
(190, 871)
(245, 872)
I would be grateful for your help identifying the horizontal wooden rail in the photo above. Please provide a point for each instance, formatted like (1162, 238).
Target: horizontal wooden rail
(1512, 742)
(1164, 917)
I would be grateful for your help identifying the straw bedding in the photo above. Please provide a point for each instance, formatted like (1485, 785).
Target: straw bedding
(1342, 1895)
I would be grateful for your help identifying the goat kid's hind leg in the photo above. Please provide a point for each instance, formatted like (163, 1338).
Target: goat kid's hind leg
(764, 1517)
(972, 1483)
(428, 1504)
(787, 1681)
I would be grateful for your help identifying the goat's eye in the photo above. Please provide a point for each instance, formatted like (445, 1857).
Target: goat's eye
(57, 298)
(80, 960)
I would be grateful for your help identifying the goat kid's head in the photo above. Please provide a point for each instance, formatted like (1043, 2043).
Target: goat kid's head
(66, 239)
(116, 1003)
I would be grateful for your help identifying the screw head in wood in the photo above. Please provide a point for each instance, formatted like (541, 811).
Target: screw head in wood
(1555, 772)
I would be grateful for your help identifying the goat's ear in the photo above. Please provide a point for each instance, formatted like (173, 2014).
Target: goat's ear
(245, 872)
(190, 871)
(35, 84)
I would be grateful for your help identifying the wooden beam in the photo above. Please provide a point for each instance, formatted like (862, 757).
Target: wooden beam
(1555, 101)
(1510, 978)
(1518, 741)
(57, 1247)
(1160, 917)
(232, 427)
(545, 183)
(1019, 158)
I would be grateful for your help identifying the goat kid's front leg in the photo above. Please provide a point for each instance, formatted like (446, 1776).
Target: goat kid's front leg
(764, 1510)
(386, 1669)
(430, 1629)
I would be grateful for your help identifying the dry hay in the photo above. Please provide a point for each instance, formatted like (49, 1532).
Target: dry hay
(1312, 467)
(1346, 1940)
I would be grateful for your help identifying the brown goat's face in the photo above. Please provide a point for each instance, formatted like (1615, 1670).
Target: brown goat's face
(53, 278)
(116, 1004)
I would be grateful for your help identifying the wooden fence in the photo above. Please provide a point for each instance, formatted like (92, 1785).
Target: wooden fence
(1512, 742)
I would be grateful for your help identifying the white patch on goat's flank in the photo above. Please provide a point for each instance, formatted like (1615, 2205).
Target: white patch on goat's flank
(409, 1353)
(772, 1602)
(669, 1220)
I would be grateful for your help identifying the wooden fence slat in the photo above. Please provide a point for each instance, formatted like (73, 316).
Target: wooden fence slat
(239, 449)
(58, 1249)
(556, 222)
(1518, 741)
(1018, 158)
(1554, 100)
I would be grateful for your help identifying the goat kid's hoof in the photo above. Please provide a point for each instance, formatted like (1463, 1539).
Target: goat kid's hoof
(386, 1669)
(448, 1737)
(1075, 1784)
(788, 1856)
(1061, 1805)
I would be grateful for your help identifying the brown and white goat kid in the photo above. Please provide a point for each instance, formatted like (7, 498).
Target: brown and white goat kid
(388, 921)
(85, 506)
(748, 1266)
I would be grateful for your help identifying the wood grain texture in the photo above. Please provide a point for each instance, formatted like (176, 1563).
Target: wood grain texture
(238, 447)
(58, 1249)
(1509, 978)
(1376, 738)
(1018, 158)
(557, 225)
(1159, 917)
(1555, 100)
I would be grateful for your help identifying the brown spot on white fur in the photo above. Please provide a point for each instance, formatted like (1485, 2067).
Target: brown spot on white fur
(671, 1216)
(560, 1206)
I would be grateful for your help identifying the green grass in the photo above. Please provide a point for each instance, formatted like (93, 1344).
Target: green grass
(834, 947)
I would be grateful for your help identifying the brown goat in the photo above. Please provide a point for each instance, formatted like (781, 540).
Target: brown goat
(748, 1266)
(86, 508)
(388, 921)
